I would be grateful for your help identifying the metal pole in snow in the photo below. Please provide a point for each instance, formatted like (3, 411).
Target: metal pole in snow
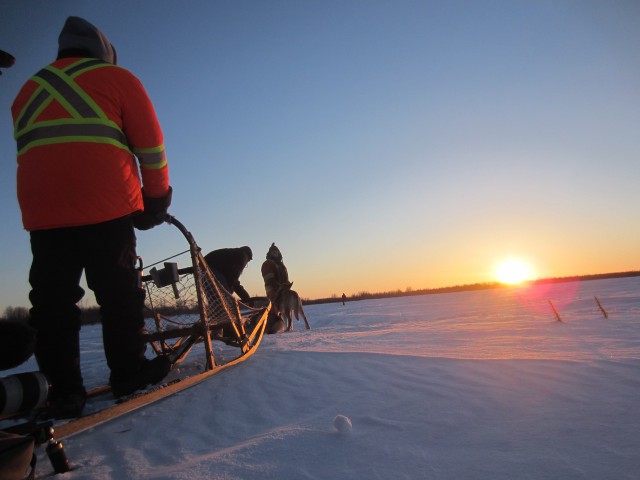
(555, 311)
(604, 312)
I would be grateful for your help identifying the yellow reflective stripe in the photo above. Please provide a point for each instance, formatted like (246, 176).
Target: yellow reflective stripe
(76, 88)
(153, 166)
(89, 123)
(75, 121)
(55, 94)
(35, 105)
(85, 139)
(40, 109)
(69, 82)
(142, 151)
(76, 69)
(81, 130)
(32, 109)
(152, 158)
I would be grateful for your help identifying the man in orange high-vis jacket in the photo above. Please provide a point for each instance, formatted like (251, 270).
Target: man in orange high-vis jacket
(88, 138)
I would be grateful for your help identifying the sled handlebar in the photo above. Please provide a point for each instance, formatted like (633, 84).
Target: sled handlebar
(170, 219)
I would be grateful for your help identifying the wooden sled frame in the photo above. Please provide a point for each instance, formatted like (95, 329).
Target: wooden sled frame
(242, 326)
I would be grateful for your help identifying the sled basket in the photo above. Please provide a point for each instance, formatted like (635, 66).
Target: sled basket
(188, 305)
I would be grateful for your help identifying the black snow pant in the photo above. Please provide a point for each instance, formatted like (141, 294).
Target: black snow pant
(106, 252)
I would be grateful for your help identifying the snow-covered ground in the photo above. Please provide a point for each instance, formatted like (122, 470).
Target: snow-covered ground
(474, 385)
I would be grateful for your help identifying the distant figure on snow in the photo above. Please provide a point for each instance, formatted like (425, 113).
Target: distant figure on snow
(344, 298)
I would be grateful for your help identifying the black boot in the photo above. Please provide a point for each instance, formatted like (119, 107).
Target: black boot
(149, 372)
(58, 356)
(65, 404)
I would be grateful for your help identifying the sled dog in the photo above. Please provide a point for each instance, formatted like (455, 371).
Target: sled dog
(290, 305)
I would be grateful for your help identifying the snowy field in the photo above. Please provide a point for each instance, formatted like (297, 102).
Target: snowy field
(474, 385)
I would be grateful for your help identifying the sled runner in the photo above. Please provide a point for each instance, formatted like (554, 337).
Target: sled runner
(186, 307)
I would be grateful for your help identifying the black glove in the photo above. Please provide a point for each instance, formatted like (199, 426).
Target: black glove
(152, 208)
(242, 293)
(248, 302)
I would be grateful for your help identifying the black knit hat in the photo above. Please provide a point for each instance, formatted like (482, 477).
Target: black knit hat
(274, 253)
(78, 34)
(247, 251)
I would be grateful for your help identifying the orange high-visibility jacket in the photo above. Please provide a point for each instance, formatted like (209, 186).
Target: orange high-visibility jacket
(79, 124)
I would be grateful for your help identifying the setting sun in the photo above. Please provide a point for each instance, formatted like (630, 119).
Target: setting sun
(513, 271)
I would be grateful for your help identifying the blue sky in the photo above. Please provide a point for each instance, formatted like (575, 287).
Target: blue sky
(381, 144)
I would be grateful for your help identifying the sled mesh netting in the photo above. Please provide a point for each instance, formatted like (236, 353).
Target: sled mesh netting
(189, 305)
(179, 297)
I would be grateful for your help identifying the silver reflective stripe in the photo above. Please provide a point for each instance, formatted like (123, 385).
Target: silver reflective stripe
(92, 126)
(32, 107)
(81, 66)
(69, 94)
(71, 130)
(151, 158)
(45, 95)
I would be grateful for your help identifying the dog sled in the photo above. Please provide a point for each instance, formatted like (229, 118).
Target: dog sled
(187, 311)
(188, 305)
(187, 308)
